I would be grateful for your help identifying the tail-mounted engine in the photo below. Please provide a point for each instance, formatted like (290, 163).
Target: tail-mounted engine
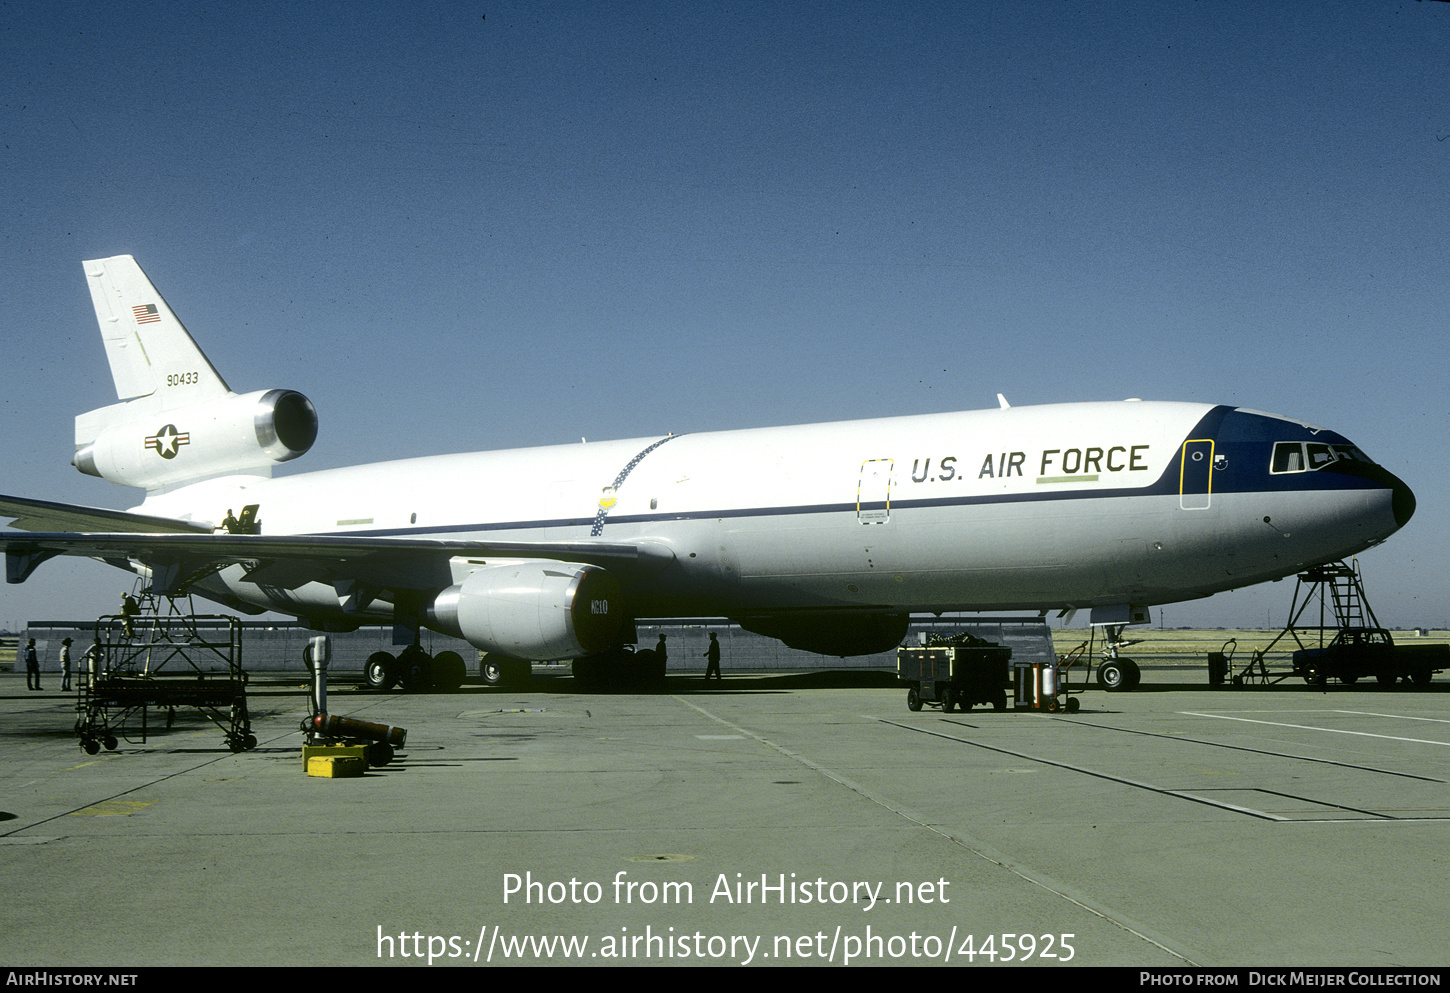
(537, 610)
(232, 434)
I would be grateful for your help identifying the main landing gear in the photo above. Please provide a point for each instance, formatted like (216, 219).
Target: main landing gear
(415, 670)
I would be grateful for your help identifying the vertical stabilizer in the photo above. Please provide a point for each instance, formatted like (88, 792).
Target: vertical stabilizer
(150, 352)
(177, 421)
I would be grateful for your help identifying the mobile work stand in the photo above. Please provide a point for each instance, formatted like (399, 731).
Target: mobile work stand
(153, 660)
(1348, 643)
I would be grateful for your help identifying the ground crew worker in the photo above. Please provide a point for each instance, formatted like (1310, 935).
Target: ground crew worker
(32, 667)
(713, 654)
(129, 610)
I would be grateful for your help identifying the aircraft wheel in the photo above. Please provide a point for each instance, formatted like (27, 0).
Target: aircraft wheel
(492, 671)
(1112, 676)
(380, 671)
(586, 673)
(913, 699)
(1131, 673)
(449, 671)
(415, 669)
(649, 669)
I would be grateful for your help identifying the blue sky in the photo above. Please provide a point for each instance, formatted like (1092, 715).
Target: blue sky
(462, 226)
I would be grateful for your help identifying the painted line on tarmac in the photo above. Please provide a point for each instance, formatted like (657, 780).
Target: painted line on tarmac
(1084, 770)
(1253, 751)
(1310, 727)
(1060, 889)
(1398, 717)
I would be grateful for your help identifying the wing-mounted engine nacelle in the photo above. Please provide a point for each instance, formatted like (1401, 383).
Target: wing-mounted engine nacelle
(536, 610)
(236, 433)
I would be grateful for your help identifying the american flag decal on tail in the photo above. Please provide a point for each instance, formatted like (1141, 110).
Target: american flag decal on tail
(146, 313)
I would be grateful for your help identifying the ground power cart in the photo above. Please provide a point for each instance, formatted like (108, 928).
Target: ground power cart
(960, 671)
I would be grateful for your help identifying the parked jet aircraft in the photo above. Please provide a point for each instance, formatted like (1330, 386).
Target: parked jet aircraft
(825, 536)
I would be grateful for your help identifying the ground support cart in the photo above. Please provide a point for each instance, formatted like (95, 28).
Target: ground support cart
(148, 661)
(960, 671)
(1044, 686)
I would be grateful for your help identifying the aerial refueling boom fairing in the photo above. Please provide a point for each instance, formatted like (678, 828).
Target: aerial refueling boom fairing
(825, 536)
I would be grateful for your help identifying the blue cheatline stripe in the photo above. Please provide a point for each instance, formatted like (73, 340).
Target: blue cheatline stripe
(598, 528)
(1165, 485)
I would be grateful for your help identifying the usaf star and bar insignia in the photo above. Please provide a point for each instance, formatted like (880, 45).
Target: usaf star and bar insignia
(168, 441)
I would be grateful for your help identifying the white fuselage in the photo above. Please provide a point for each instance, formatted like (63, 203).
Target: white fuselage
(1068, 505)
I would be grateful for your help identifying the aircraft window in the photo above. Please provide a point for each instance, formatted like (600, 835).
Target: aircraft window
(1319, 455)
(1288, 457)
(1294, 456)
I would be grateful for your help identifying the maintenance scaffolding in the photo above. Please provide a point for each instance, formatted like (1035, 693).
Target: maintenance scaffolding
(156, 655)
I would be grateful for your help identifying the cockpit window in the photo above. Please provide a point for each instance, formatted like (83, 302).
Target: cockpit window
(1288, 457)
(1298, 456)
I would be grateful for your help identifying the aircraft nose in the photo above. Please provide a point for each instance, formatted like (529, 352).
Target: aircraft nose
(1404, 499)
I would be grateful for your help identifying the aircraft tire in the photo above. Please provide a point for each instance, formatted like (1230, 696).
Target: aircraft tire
(1113, 676)
(1133, 673)
(492, 671)
(586, 673)
(380, 671)
(415, 669)
(449, 671)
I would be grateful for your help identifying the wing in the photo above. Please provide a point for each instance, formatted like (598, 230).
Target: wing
(180, 552)
(42, 515)
(289, 561)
